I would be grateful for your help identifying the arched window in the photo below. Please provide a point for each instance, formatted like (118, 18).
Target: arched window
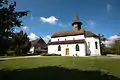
(77, 47)
(59, 48)
(96, 45)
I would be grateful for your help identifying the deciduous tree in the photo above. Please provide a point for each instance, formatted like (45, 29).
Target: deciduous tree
(9, 18)
(21, 44)
(102, 45)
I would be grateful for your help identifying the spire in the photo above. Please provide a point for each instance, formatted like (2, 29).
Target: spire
(76, 18)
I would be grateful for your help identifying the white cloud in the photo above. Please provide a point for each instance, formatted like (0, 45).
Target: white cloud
(53, 20)
(111, 40)
(91, 23)
(32, 36)
(108, 7)
(50, 20)
(25, 28)
(47, 38)
(63, 25)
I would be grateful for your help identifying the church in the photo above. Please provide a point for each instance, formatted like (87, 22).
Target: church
(76, 42)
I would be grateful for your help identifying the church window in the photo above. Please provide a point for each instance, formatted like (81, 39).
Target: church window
(59, 48)
(77, 47)
(96, 45)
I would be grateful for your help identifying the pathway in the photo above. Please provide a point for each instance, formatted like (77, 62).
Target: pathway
(19, 57)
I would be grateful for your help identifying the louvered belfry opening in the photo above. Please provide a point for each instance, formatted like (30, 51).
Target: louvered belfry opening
(76, 23)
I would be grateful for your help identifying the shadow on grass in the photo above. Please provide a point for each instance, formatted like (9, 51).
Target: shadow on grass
(2, 60)
(54, 73)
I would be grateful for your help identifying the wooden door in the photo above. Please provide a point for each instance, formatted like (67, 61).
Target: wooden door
(67, 51)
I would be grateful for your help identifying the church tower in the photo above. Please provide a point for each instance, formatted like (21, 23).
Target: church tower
(76, 23)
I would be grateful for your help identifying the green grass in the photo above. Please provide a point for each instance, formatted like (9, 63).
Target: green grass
(60, 68)
(5, 56)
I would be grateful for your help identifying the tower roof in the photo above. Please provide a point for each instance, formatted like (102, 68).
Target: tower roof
(76, 18)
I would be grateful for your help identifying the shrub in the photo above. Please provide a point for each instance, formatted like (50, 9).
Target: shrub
(30, 54)
(46, 54)
(10, 53)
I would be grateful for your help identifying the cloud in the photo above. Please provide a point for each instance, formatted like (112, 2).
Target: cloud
(50, 20)
(47, 38)
(25, 28)
(53, 20)
(32, 36)
(63, 25)
(111, 40)
(108, 7)
(91, 23)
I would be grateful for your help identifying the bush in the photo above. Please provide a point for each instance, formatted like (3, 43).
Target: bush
(46, 54)
(107, 51)
(10, 53)
(30, 54)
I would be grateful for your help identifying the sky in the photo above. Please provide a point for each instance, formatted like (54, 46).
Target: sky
(49, 16)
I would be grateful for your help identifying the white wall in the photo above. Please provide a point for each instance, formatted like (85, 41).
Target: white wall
(83, 47)
(92, 50)
(72, 51)
(31, 51)
(68, 38)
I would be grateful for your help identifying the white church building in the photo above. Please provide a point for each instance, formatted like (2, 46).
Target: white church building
(76, 42)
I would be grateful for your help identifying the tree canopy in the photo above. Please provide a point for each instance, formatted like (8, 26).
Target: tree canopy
(102, 46)
(9, 19)
(20, 43)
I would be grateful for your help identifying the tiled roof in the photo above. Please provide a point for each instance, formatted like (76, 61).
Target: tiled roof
(90, 34)
(38, 42)
(72, 33)
(67, 42)
(76, 20)
(67, 33)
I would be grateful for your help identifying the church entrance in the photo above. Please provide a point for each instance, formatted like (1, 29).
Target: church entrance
(67, 51)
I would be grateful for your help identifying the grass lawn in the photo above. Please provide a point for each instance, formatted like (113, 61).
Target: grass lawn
(5, 56)
(60, 68)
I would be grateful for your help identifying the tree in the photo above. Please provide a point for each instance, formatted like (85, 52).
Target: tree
(116, 47)
(113, 48)
(102, 45)
(21, 44)
(9, 18)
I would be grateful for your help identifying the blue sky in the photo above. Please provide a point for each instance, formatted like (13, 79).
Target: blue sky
(49, 16)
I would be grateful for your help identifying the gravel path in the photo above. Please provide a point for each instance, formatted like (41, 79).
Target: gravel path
(19, 57)
(109, 56)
